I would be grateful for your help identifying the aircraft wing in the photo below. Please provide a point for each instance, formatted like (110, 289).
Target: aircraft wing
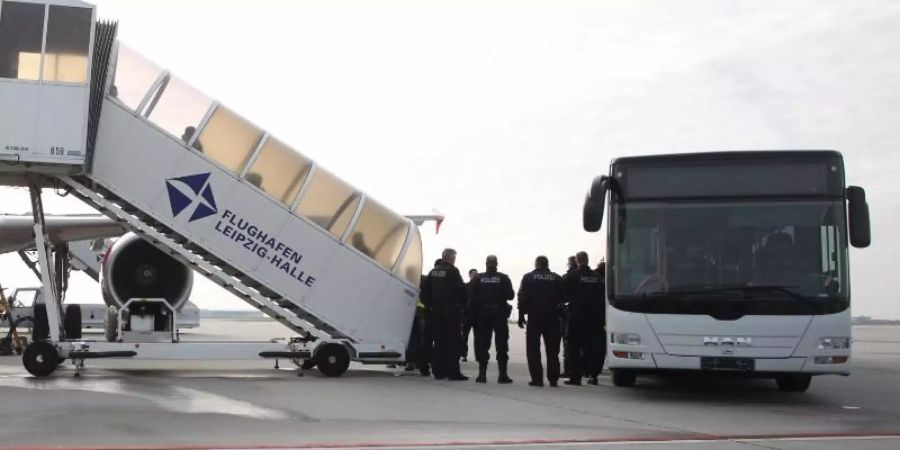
(17, 230)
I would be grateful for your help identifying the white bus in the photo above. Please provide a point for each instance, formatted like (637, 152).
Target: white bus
(729, 262)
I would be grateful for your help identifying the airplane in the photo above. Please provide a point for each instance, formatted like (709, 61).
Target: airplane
(17, 230)
(90, 242)
(87, 238)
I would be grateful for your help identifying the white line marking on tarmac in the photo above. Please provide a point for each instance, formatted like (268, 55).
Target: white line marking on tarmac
(601, 443)
(824, 438)
(172, 398)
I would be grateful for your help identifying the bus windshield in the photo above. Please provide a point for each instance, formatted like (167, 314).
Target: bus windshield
(771, 253)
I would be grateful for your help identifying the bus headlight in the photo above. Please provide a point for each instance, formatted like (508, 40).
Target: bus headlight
(834, 343)
(625, 338)
(831, 359)
(628, 355)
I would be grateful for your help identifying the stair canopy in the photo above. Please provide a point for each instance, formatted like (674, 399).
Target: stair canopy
(252, 155)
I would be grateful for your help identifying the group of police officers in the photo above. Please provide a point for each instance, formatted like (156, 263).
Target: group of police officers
(568, 308)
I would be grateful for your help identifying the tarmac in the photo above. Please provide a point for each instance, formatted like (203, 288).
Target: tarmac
(249, 404)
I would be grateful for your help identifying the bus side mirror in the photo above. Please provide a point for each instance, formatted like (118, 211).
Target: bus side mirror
(860, 233)
(593, 205)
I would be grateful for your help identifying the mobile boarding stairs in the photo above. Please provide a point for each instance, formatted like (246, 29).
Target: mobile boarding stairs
(86, 115)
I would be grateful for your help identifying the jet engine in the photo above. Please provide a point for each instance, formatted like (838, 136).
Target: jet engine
(135, 269)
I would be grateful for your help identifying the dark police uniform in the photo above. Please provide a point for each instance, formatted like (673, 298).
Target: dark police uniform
(444, 294)
(493, 290)
(564, 332)
(468, 318)
(418, 353)
(584, 292)
(540, 298)
(598, 356)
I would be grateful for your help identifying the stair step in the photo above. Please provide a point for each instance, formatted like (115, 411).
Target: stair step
(266, 292)
(231, 271)
(212, 259)
(189, 253)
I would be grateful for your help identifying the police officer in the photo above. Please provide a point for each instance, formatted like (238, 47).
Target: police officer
(571, 265)
(444, 293)
(469, 316)
(421, 341)
(585, 296)
(598, 330)
(492, 292)
(540, 298)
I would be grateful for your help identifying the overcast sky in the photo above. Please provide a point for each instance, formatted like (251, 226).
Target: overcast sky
(499, 114)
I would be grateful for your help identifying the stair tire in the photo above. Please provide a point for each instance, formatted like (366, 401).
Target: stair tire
(333, 360)
(40, 359)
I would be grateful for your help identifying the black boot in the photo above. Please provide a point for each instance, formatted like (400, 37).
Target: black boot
(503, 378)
(482, 373)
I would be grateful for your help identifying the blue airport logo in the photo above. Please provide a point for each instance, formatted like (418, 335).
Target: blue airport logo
(194, 193)
(192, 190)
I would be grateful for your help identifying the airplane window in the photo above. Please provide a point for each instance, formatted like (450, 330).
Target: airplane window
(134, 76)
(21, 33)
(410, 267)
(379, 233)
(229, 139)
(282, 170)
(68, 43)
(329, 202)
(178, 109)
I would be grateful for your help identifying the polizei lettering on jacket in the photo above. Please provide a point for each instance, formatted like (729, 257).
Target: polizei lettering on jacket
(263, 245)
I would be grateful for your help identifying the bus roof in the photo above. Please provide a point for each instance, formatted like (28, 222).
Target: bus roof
(737, 155)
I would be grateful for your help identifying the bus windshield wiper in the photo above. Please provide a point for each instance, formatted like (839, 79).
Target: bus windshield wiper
(780, 289)
(681, 293)
(719, 290)
(722, 291)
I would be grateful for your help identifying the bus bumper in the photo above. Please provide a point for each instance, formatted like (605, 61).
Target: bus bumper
(666, 362)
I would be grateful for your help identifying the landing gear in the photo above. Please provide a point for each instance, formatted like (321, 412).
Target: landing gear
(333, 360)
(624, 377)
(40, 359)
(112, 324)
(793, 383)
(40, 331)
(72, 321)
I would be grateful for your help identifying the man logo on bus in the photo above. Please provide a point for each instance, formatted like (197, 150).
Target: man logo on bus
(716, 341)
(192, 190)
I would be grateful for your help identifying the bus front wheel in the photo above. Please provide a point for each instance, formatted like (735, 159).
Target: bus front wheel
(624, 377)
(793, 383)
